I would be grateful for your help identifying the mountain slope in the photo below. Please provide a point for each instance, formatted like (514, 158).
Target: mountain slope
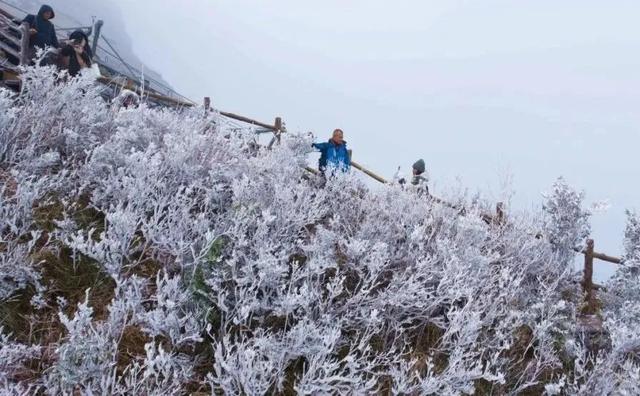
(151, 251)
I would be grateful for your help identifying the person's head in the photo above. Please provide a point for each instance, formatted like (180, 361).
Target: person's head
(76, 36)
(338, 136)
(419, 167)
(46, 12)
(78, 40)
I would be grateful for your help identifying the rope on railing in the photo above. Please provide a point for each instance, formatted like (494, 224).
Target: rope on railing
(118, 56)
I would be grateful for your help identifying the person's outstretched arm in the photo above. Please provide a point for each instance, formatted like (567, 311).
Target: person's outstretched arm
(320, 146)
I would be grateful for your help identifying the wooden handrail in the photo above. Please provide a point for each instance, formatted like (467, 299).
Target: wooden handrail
(605, 257)
(601, 256)
(8, 19)
(369, 173)
(22, 42)
(10, 50)
(249, 120)
(6, 25)
(490, 219)
(6, 14)
(10, 37)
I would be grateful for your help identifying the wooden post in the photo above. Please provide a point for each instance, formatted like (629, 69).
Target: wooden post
(97, 27)
(207, 105)
(24, 44)
(278, 124)
(277, 129)
(499, 213)
(587, 282)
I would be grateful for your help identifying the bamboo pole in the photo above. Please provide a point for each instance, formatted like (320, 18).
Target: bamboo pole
(248, 120)
(602, 256)
(311, 170)
(369, 173)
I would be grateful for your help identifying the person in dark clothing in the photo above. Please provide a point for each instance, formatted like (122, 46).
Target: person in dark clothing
(334, 153)
(43, 33)
(419, 176)
(74, 55)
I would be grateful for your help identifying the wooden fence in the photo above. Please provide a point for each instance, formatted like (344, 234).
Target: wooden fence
(498, 219)
(14, 39)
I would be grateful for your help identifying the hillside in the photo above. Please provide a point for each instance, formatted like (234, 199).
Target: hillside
(155, 252)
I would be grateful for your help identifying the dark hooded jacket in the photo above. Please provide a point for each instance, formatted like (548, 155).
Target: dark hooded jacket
(46, 32)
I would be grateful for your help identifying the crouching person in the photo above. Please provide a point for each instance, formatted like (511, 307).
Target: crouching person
(419, 178)
(41, 30)
(75, 56)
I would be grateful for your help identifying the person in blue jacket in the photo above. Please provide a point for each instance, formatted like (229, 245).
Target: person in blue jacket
(43, 33)
(334, 153)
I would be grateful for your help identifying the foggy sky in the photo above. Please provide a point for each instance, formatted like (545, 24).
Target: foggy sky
(535, 89)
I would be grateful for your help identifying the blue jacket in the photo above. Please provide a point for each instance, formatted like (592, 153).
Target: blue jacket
(333, 155)
(46, 35)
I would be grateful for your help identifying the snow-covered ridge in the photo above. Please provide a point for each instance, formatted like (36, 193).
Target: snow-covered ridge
(149, 251)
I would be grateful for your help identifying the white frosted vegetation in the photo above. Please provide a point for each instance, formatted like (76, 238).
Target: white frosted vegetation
(150, 251)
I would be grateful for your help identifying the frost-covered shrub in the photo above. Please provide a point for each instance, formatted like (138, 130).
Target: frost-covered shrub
(13, 357)
(168, 253)
(632, 237)
(624, 286)
(566, 222)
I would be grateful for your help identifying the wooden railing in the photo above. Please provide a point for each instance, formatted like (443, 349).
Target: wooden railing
(589, 253)
(499, 219)
(14, 39)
